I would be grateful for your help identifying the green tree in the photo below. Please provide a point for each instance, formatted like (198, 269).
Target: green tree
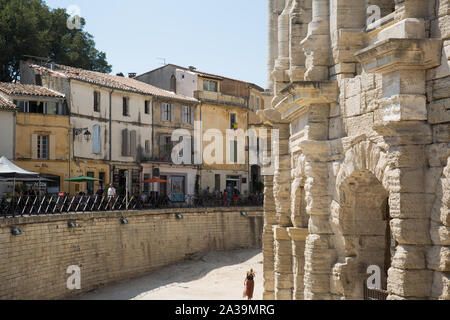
(29, 27)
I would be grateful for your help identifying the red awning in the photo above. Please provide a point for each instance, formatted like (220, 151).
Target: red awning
(154, 180)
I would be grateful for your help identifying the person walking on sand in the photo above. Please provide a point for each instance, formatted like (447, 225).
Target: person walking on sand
(249, 284)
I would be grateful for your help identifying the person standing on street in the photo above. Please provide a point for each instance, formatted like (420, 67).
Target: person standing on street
(249, 284)
(111, 194)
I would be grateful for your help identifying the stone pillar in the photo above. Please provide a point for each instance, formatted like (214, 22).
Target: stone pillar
(268, 239)
(284, 278)
(282, 193)
(282, 62)
(300, 16)
(298, 241)
(319, 250)
(273, 11)
(317, 43)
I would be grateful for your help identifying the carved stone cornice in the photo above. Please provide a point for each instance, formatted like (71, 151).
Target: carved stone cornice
(400, 54)
(299, 96)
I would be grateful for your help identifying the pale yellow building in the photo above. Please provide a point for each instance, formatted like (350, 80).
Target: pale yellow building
(42, 134)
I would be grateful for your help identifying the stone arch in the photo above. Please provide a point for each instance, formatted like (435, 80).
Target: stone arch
(438, 255)
(360, 220)
(362, 156)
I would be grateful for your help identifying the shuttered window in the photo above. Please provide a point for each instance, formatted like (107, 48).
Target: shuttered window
(96, 101)
(96, 140)
(233, 151)
(167, 112)
(125, 144)
(209, 85)
(126, 107)
(133, 143)
(187, 114)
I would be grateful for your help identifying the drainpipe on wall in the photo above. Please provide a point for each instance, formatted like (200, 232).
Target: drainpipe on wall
(153, 129)
(14, 136)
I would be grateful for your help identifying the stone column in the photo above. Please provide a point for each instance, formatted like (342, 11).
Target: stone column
(272, 34)
(317, 43)
(268, 239)
(300, 16)
(282, 193)
(319, 250)
(282, 63)
(298, 241)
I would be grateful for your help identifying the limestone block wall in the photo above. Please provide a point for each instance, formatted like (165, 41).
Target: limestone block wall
(33, 265)
(369, 147)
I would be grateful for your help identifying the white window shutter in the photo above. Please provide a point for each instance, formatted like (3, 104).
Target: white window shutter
(34, 152)
(192, 114)
(52, 148)
(162, 111)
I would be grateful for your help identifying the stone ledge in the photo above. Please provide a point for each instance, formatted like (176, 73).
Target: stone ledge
(5, 222)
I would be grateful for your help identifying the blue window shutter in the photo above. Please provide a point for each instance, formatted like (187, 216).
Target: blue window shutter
(172, 112)
(96, 145)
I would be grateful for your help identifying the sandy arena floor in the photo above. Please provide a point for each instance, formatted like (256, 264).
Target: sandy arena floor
(209, 276)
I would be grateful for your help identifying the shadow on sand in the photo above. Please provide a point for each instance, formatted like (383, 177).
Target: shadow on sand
(197, 267)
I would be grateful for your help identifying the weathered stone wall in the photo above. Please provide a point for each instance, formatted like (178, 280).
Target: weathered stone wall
(369, 150)
(33, 265)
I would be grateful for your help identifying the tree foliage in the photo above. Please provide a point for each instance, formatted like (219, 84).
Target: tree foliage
(30, 27)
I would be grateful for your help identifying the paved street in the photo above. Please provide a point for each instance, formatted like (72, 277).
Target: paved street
(210, 276)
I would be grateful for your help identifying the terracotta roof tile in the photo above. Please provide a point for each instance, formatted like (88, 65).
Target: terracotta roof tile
(6, 104)
(18, 89)
(111, 81)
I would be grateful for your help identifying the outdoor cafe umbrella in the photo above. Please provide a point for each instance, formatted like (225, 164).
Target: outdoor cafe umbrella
(83, 179)
(155, 180)
(9, 170)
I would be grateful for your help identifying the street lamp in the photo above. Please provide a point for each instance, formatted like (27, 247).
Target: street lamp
(79, 131)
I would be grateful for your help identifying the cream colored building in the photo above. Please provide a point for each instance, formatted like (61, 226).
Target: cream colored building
(112, 122)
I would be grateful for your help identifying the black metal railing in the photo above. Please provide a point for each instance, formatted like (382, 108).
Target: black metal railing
(40, 205)
(374, 294)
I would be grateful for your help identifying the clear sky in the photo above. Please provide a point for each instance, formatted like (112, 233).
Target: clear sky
(225, 37)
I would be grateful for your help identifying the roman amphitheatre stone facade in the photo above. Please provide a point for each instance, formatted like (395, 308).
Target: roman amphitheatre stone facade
(363, 177)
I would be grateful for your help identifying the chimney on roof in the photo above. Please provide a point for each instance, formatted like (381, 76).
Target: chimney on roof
(192, 68)
(120, 74)
(132, 75)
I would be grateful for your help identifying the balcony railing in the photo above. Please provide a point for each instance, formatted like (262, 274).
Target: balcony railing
(35, 205)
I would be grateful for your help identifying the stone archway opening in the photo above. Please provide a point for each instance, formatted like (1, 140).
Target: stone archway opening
(364, 232)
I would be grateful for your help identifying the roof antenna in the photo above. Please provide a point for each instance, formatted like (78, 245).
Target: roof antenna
(163, 59)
